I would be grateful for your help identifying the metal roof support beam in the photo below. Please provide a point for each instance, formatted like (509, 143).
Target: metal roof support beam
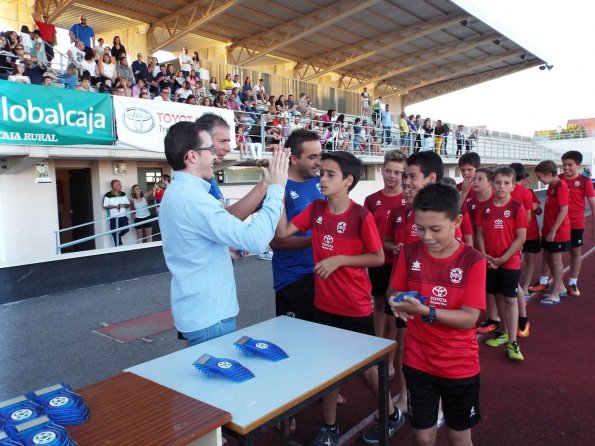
(432, 91)
(441, 74)
(107, 8)
(43, 7)
(409, 63)
(349, 54)
(183, 21)
(268, 42)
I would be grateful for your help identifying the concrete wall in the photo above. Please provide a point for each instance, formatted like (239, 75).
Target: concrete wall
(584, 145)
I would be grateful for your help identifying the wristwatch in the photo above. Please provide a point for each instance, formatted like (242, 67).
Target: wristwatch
(431, 317)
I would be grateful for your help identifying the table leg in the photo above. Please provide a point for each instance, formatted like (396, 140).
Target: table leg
(383, 400)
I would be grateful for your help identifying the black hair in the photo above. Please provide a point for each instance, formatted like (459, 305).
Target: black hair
(448, 181)
(166, 177)
(573, 155)
(471, 158)
(427, 162)
(438, 197)
(348, 163)
(180, 138)
(489, 173)
(519, 170)
(297, 138)
(507, 172)
(547, 166)
(209, 121)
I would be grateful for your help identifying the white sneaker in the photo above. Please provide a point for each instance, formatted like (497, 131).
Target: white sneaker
(267, 255)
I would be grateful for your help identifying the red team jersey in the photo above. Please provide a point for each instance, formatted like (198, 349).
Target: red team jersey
(380, 205)
(533, 229)
(499, 224)
(580, 188)
(523, 195)
(470, 194)
(472, 206)
(451, 283)
(557, 195)
(346, 291)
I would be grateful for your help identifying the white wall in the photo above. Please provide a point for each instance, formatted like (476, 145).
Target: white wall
(584, 145)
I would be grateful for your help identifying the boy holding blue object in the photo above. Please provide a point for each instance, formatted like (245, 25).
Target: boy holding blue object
(441, 356)
(345, 241)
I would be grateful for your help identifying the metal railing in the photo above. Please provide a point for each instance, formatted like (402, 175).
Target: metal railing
(61, 246)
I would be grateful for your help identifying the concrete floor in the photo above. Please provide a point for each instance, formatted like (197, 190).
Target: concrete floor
(50, 339)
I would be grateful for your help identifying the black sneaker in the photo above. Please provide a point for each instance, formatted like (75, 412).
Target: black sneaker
(326, 437)
(373, 435)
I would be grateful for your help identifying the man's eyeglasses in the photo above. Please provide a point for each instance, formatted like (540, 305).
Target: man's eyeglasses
(210, 148)
(19, 48)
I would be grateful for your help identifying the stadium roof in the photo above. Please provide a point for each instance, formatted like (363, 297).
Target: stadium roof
(416, 48)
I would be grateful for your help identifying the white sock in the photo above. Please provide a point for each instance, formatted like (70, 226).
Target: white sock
(543, 280)
(572, 281)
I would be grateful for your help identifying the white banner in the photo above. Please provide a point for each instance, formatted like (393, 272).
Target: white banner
(143, 123)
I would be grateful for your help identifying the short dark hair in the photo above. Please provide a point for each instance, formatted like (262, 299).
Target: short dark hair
(297, 138)
(113, 181)
(427, 162)
(547, 166)
(180, 138)
(348, 163)
(519, 169)
(573, 155)
(438, 197)
(489, 173)
(507, 172)
(471, 158)
(209, 121)
(448, 181)
(396, 156)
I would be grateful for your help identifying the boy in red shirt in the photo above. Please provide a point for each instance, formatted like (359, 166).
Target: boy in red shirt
(501, 232)
(441, 358)
(555, 233)
(379, 204)
(532, 246)
(468, 163)
(345, 241)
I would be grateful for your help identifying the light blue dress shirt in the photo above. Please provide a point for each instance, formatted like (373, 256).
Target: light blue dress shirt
(196, 231)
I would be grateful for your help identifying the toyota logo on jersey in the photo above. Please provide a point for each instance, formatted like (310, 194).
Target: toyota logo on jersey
(439, 291)
(327, 243)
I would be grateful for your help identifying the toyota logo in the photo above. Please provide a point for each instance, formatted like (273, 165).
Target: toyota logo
(439, 291)
(328, 239)
(138, 120)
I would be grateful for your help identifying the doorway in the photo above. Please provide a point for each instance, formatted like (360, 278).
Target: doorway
(75, 207)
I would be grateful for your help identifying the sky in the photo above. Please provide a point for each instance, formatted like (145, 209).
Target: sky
(563, 34)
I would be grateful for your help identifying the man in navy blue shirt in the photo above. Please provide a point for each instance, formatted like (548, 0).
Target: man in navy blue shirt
(139, 68)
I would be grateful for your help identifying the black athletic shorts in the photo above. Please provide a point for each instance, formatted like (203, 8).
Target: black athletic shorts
(555, 246)
(460, 400)
(576, 237)
(363, 325)
(380, 279)
(502, 281)
(532, 246)
(296, 299)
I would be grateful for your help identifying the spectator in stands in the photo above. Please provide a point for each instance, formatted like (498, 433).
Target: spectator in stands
(404, 132)
(207, 102)
(295, 124)
(247, 85)
(162, 78)
(139, 87)
(33, 70)
(179, 80)
(48, 34)
(125, 83)
(139, 68)
(346, 137)
(445, 131)
(364, 135)
(48, 79)
(39, 47)
(330, 115)
(199, 90)
(184, 93)
(365, 102)
(418, 136)
(259, 88)
(164, 95)
(115, 202)
(107, 71)
(185, 62)
(438, 136)
(249, 101)
(427, 135)
(117, 48)
(144, 95)
(90, 66)
(376, 109)
(18, 70)
(85, 84)
(13, 41)
(26, 39)
(76, 53)
(156, 65)
(273, 138)
(469, 141)
(213, 86)
(271, 107)
(99, 49)
(261, 103)
(220, 101)
(227, 84)
(236, 82)
(460, 140)
(387, 125)
(80, 31)
(356, 131)
(291, 106)
(196, 64)
(192, 78)
(241, 141)
(123, 70)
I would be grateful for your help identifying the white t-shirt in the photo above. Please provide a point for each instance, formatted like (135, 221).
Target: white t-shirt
(110, 199)
(91, 67)
(185, 62)
(27, 42)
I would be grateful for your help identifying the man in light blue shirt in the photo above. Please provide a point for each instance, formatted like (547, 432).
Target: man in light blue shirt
(386, 125)
(197, 231)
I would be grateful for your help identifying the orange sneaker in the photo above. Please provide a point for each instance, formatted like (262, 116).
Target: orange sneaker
(524, 332)
(573, 291)
(487, 326)
(538, 288)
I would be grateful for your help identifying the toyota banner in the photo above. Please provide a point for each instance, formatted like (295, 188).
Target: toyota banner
(143, 124)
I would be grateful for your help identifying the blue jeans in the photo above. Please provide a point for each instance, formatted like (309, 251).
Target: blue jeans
(214, 331)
